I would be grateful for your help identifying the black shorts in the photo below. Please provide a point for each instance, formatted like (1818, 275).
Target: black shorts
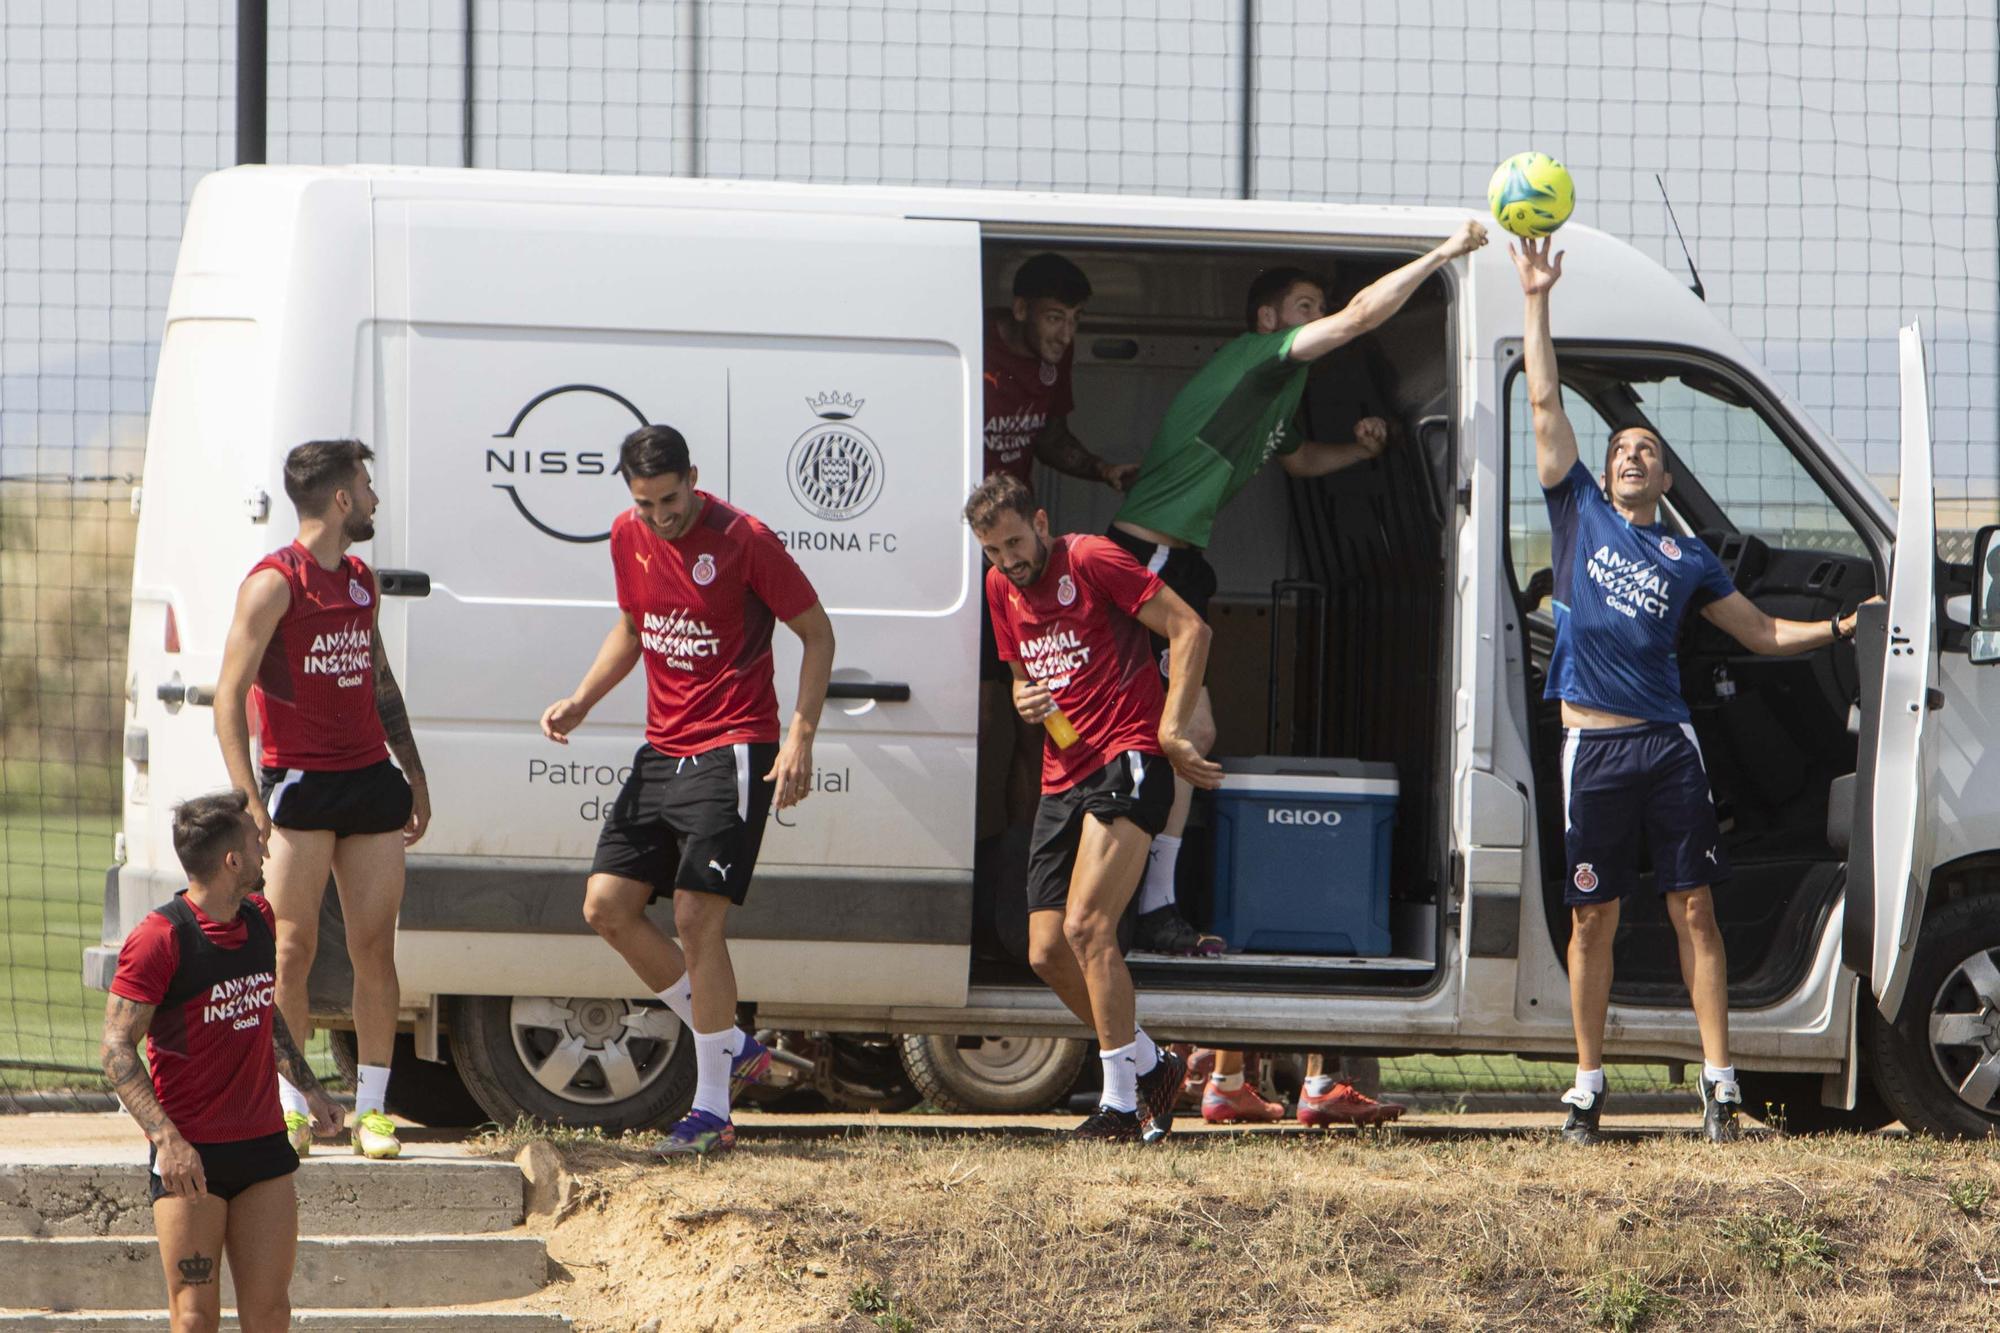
(374, 799)
(1134, 786)
(1182, 568)
(694, 822)
(1619, 782)
(231, 1168)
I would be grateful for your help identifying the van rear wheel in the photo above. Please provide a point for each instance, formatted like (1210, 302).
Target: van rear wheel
(1011, 1074)
(614, 1064)
(1938, 1064)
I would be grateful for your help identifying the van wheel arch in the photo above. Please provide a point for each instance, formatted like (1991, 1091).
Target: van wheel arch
(1917, 1076)
(505, 1048)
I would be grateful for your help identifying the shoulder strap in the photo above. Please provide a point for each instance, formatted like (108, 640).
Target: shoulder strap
(191, 947)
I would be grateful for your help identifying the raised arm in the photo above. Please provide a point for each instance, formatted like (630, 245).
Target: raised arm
(396, 725)
(1371, 436)
(178, 1165)
(1555, 438)
(1373, 305)
(1187, 636)
(616, 657)
(792, 772)
(1060, 449)
(260, 604)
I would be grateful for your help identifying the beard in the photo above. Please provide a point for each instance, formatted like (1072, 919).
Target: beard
(357, 528)
(1028, 576)
(256, 885)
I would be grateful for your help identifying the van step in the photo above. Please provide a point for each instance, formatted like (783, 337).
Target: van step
(468, 1319)
(116, 1273)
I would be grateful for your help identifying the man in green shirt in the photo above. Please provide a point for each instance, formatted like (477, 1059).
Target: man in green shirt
(1238, 411)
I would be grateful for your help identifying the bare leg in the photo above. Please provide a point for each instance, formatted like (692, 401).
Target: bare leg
(1228, 1063)
(294, 881)
(191, 1232)
(1592, 929)
(699, 919)
(368, 873)
(263, 1242)
(1705, 968)
(1109, 860)
(615, 907)
(1055, 963)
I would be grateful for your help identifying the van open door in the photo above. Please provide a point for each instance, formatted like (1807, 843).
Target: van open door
(1890, 871)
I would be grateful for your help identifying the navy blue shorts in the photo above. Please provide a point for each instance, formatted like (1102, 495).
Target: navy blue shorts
(1621, 782)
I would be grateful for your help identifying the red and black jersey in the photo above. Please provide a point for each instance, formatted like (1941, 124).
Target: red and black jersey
(1075, 631)
(212, 985)
(315, 689)
(705, 606)
(1023, 394)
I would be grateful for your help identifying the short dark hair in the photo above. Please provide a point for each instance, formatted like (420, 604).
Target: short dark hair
(208, 828)
(1270, 286)
(1001, 493)
(1049, 276)
(318, 468)
(653, 451)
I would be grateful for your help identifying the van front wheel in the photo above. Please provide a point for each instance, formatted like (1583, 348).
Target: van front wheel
(1009, 1074)
(615, 1064)
(1938, 1064)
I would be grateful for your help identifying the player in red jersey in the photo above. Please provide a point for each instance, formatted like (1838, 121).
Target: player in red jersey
(1030, 347)
(195, 978)
(701, 584)
(303, 648)
(1073, 615)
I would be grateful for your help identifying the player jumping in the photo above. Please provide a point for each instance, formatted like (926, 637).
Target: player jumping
(700, 586)
(1072, 616)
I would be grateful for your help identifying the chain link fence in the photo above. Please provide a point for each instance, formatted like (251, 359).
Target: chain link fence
(1835, 171)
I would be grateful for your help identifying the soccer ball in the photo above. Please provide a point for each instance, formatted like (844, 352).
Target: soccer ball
(1531, 194)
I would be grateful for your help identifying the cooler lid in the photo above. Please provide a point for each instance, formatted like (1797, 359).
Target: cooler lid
(1298, 773)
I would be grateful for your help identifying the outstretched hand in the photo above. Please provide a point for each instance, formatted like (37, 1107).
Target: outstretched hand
(1537, 267)
(1469, 237)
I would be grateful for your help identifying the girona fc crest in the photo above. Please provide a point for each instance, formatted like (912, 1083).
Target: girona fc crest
(1670, 548)
(358, 594)
(1585, 878)
(1066, 590)
(704, 569)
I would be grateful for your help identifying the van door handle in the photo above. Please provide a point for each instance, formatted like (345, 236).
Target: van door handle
(403, 582)
(882, 691)
(173, 694)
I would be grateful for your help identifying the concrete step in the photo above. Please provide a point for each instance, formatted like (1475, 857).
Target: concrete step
(455, 1320)
(341, 1195)
(333, 1272)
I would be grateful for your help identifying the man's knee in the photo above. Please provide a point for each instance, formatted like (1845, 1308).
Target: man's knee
(1593, 927)
(296, 950)
(1049, 956)
(611, 915)
(272, 1312)
(699, 918)
(1697, 910)
(1089, 933)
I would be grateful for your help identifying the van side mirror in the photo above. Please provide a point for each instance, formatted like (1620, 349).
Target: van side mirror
(1985, 639)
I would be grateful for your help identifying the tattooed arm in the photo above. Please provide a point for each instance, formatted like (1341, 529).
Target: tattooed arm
(175, 1160)
(292, 1065)
(396, 723)
(1061, 450)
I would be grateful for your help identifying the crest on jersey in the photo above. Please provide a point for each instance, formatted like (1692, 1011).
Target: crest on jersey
(358, 594)
(1049, 374)
(1585, 878)
(704, 569)
(1066, 590)
(1670, 548)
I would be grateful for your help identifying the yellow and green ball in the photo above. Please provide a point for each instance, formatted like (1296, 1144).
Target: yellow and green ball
(1531, 194)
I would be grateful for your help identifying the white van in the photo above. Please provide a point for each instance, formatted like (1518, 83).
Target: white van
(493, 335)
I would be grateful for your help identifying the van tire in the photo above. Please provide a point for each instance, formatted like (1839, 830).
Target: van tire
(421, 1090)
(1791, 1103)
(502, 1079)
(1010, 1074)
(1900, 1055)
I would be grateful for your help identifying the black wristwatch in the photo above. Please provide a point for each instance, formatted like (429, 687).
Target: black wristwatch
(1833, 623)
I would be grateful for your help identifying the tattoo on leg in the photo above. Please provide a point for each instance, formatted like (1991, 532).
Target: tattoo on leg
(198, 1270)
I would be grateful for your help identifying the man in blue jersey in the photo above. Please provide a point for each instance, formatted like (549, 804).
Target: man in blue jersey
(1631, 766)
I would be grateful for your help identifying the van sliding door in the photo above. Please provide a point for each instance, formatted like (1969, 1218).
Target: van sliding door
(822, 369)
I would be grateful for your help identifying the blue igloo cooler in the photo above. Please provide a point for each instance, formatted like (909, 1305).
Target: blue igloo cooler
(1302, 855)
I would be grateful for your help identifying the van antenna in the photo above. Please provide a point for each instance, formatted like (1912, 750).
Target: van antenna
(1701, 293)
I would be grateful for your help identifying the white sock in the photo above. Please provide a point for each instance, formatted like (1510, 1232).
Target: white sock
(1319, 1085)
(679, 997)
(1149, 1054)
(711, 1071)
(1227, 1082)
(1589, 1080)
(1156, 890)
(1727, 1074)
(1121, 1078)
(290, 1098)
(371, 1088)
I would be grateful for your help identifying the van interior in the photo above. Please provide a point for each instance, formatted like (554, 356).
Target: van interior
(1775, 732)
(1330, 617)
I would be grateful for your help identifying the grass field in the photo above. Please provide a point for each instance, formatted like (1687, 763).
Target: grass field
(51, 898)
(900, 1231)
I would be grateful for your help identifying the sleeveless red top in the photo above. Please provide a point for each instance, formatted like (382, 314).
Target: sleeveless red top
(315, 690)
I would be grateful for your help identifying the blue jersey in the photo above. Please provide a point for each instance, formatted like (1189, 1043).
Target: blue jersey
(1621, 594)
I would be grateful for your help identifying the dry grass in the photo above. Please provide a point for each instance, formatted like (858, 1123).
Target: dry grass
(1250, 1232)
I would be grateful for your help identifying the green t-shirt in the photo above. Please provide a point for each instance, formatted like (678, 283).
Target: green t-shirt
(1236, 412)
